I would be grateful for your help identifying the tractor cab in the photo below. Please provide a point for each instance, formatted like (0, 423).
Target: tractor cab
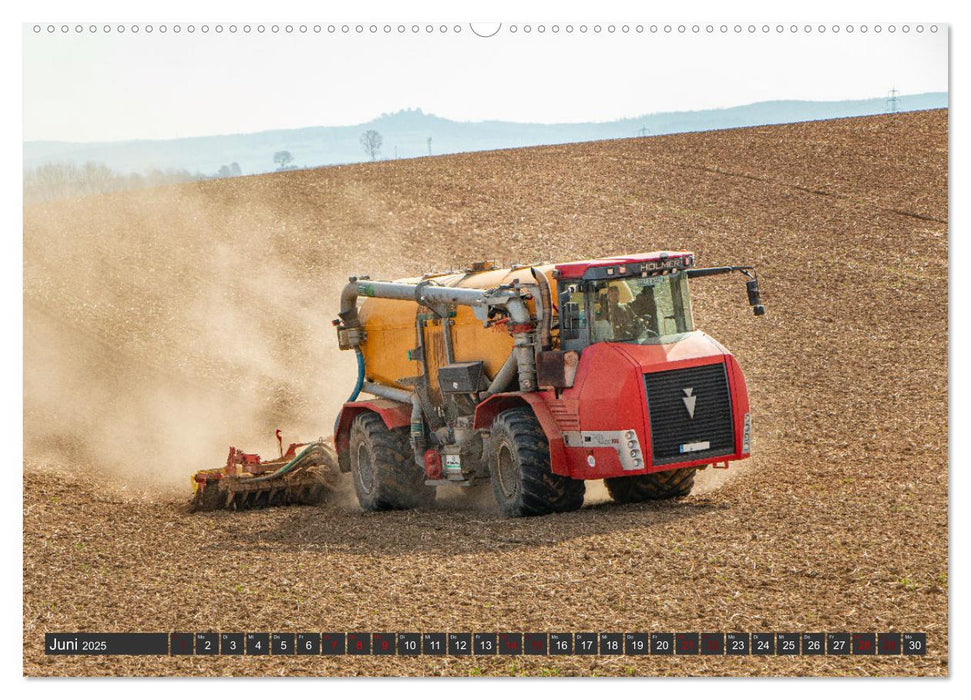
(638, 299)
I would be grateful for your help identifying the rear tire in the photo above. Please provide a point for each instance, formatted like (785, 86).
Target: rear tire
(383, 467)
(522, 479)
(651, 487)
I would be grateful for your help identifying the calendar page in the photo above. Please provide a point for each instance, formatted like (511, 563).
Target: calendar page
(416, 347)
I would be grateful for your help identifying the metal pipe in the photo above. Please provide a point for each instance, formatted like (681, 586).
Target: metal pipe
(546, 317)
(387, 392)
(447, 337)
(420, 331)
(525, 360)
(417, 432)
(421, 292)
(426, 293)
(523, 344)
(348, 312)
(503, 376)
(518, 312)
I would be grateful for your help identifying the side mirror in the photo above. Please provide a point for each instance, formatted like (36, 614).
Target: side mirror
(755, 297)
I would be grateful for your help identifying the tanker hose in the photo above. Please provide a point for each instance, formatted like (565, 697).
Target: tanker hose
(357, 386)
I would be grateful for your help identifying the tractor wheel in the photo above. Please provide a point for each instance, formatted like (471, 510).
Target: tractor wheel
(519, 464)
(383, 467)
(651, 487)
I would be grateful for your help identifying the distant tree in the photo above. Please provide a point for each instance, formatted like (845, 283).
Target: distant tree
(371, 142)
(283, 159)
(97, 177)
(231, 170)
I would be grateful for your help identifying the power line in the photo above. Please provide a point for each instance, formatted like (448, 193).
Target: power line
(892, 105)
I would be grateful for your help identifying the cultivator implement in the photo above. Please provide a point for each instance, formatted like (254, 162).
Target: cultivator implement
(303, 475)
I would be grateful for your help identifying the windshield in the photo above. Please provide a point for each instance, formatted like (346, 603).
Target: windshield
(634, 310)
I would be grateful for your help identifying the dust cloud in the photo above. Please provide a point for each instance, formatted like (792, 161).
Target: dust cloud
(162, 326)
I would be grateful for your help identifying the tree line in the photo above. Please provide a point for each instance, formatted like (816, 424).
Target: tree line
(68, 180)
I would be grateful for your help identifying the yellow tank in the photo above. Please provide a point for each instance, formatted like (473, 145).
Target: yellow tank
(391, 329)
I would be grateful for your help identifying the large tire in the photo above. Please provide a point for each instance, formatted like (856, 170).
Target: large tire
(651, 487)
(383, 467)
(519, 463)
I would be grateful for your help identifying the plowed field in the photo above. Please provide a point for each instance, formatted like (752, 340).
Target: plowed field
(163, 325)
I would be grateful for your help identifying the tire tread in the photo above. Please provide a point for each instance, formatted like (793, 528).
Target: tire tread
(400, 483)
(673, 483)
(540, 490)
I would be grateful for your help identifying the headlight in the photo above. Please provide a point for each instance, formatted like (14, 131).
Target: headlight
(747, 434)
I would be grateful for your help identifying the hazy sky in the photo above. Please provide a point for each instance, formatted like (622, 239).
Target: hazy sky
(97, 86)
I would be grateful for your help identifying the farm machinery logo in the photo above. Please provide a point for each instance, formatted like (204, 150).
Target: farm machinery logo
(689, 401)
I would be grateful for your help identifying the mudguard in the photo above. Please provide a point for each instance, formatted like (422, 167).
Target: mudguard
(486, 412)
(393, 413)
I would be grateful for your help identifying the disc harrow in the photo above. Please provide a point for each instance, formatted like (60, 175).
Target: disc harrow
(303, 475)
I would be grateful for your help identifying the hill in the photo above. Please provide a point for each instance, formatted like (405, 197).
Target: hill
(406, 133)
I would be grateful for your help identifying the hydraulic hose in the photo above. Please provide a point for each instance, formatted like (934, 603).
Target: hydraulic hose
(360, 375)
(358, 385)
(289, 466)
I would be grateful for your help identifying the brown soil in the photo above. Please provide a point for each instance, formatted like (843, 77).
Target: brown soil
(163, 325)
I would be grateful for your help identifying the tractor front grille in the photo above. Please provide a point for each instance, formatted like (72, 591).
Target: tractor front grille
(676, 436)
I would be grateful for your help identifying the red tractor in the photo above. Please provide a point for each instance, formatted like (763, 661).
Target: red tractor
(537, 379)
